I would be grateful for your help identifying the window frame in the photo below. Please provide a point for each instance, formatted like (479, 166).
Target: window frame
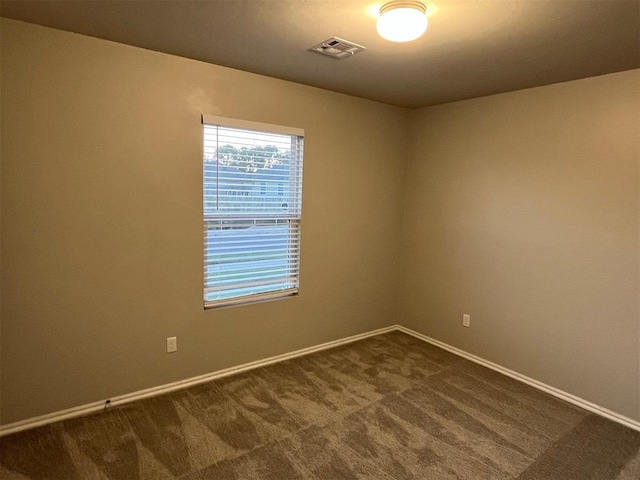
(294, 220)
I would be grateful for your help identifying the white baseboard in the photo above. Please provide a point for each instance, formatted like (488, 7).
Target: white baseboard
(170, 387)
(567, 397)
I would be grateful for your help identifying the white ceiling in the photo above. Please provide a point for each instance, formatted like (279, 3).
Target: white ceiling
(472, 48)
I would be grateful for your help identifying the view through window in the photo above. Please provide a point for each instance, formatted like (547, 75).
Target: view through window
(252, 210)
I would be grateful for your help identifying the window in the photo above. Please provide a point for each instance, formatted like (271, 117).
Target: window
(251, 234)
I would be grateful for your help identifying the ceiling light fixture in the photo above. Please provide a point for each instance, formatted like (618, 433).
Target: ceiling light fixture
(402, 21)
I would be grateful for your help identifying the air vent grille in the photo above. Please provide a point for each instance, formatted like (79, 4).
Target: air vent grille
(337, 48)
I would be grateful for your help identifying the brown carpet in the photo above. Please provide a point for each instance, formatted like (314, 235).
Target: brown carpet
(387, 407)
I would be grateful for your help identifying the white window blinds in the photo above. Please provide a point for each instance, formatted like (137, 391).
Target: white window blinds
(252, 210)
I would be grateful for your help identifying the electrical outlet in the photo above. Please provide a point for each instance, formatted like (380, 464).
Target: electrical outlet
(466, 320)
(172, 344)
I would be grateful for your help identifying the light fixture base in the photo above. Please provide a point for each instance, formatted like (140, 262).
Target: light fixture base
(394, 5)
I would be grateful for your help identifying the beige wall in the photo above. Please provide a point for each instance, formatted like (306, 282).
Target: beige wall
(522, 211)
(101, 219)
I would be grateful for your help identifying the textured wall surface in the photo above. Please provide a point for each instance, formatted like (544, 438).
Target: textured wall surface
(522, 211)
(102, 228)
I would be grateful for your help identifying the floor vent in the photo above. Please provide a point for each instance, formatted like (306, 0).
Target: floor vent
(337, 48)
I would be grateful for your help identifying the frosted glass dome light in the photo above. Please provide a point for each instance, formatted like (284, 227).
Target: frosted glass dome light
(402, 21)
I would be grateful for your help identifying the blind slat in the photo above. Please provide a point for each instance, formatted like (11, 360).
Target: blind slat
(217, 288)
(255, 297)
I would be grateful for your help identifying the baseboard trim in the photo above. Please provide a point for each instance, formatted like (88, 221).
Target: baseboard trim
(567, 397)
(179, 385)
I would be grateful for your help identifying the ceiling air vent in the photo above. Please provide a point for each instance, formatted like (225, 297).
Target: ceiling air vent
(337, 48)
